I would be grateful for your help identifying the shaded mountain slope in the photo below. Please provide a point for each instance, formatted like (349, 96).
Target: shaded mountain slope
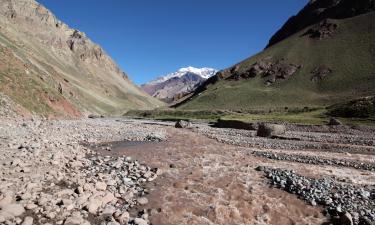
(51, 69)
(323, 64)
(318, 10)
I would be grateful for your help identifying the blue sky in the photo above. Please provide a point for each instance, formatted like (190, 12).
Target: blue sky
(148, 38)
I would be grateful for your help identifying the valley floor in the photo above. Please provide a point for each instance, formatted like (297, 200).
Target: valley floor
(80, 171)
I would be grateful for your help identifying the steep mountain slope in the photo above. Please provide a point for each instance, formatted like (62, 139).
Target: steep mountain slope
(328, 62)
(318, 10)
(176, 85)
(51, 69)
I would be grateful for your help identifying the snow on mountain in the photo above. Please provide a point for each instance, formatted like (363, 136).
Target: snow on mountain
(175, 85)
(205, 73)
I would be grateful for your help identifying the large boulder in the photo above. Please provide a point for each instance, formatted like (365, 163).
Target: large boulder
(270, 130)
(182, 124)
(334, 122)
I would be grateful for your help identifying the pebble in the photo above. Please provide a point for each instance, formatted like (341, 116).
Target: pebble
(142, 201)
(28, 221)
(140, 221)
(338, 198)
(101, 186)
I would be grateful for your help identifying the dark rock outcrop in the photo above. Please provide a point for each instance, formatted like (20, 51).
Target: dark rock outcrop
(268, 68)
(320, 72)
(318, 10)
(322, 30)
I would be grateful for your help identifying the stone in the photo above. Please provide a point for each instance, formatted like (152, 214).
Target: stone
(346, 219)
(101, 186)
(319, 73)
(10, 211)
(334, 122)
(76, 220)
(93, 116)
(6, 200)
(109, 210)
(139, 221)
(113, 223)
(182, 124)
(109, 197)
(30, 206)
(124, 218)
(142, 201)
(270, 130)
(94, 205)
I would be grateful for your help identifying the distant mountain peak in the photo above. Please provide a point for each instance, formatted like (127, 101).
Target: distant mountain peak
(204, 72)
(174, 85)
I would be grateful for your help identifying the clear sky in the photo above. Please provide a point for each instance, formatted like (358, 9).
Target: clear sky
(148, 38)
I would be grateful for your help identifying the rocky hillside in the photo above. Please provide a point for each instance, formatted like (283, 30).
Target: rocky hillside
(321, 61)
(319, 10)
(50, 69)
(174, 86)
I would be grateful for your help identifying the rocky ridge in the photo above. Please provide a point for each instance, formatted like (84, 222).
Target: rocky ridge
(319, 10)
(62, 67)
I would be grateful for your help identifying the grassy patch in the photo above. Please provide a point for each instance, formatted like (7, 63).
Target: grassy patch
(317, 116)
(359, 108)
(177, 114)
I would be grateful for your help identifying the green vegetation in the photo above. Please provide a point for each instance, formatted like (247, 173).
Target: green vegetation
(316, 117)
(173, 115)
(359, 108)
(307, 116)
(349, 53)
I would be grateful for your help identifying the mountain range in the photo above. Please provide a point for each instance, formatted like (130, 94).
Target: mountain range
(174, 86)
(322, 56)
(51, 69)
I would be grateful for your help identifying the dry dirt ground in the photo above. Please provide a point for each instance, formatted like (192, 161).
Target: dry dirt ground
(206, 181)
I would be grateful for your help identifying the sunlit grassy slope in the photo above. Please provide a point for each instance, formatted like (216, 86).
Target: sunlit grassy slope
(350, 53)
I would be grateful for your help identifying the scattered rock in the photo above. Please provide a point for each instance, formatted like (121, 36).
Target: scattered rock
(93, 116)
(76, 220)
(101, 186)
(346, 219)
(319, 73)
(322, 30)
(94, 205)
(335, 196)
(28, 221)
(268, 68)
(270, 130)
(334, 122)
(182, 124)
(10, 211)
(139, 221)
(142, 201)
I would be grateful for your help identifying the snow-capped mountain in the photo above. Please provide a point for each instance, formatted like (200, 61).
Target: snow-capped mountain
(175, 85)
(205, 73)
